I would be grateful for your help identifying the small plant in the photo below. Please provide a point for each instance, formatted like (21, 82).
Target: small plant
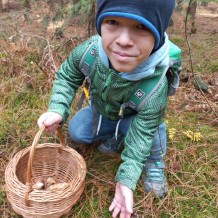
(172, 132)
(194, 136)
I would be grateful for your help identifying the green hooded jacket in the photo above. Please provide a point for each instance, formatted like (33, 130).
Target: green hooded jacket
(108, 92)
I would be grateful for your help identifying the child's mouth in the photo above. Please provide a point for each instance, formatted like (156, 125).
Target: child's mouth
(124, 57)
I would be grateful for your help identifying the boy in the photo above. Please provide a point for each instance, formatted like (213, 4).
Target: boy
(132, 46)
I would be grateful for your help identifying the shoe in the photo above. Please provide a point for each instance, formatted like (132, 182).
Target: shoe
(155, 179)
(111, 145)
(104, 147)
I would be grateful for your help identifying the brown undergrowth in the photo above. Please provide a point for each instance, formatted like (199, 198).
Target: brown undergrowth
(191, 164)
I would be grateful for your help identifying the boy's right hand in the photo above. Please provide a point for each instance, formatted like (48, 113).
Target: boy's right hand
(50, 120)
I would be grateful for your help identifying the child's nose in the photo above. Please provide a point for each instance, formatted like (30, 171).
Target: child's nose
(125, 37)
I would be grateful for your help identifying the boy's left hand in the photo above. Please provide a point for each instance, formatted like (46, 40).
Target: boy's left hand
(122, 202)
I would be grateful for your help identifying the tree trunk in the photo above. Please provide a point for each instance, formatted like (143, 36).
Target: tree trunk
(91, 25)
(51, 5)
(4, 5)
(204, 4)
(27, 4)
(192, 9)
(179, 6)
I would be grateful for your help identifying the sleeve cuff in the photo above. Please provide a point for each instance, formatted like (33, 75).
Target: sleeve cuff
(128, 181)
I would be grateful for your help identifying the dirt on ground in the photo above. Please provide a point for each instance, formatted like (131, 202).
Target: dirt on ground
(22, 29)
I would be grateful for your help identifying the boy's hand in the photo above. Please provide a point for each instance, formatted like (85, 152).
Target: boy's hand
(122, 202)
(50, 120)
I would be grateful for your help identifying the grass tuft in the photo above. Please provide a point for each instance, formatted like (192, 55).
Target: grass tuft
(191, 165)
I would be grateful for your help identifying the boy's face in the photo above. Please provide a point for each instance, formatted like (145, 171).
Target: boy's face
(126, 42)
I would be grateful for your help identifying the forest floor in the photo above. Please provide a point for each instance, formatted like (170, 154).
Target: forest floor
(192, 172)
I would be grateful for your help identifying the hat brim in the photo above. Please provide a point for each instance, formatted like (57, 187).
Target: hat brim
(140, 19)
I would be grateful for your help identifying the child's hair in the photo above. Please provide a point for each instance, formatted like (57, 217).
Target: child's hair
(154, 14)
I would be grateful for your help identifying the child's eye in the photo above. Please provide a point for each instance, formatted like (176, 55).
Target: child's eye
(142, 27)
(111, 22)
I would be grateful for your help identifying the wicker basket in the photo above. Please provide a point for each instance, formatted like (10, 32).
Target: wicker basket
(37, 163)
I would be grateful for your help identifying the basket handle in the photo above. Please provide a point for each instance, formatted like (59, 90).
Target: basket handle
(31, 156)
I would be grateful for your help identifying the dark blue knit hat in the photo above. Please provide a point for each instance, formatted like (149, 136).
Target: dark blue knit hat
(154, 14)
